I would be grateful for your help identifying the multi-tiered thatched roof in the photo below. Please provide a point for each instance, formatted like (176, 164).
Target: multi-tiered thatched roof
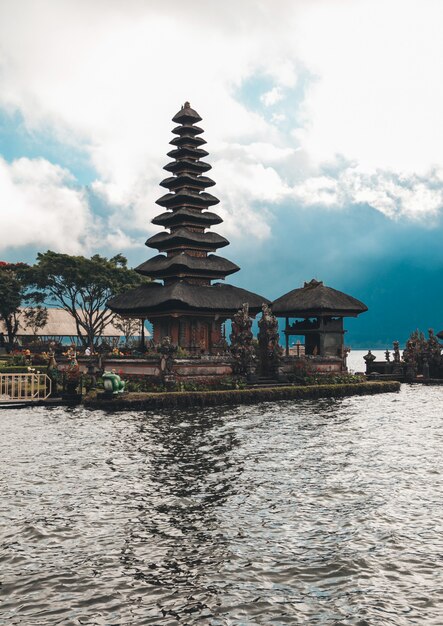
(186, 263)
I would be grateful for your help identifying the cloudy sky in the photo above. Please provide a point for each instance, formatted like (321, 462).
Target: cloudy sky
(323, 121)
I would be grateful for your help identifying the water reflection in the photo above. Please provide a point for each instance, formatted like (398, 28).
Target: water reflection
(185, 472)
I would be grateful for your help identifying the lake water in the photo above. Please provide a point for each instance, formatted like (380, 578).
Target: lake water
(324, 512)
(356, 363)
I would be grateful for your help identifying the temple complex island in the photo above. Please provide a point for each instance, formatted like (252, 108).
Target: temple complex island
(187, 306)
(318, 311)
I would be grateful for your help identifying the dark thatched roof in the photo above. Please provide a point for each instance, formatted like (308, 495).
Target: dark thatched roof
(181, 296)
(187, 165)
(183, 236)
(185, 265)
(187, 129)
(188, 140)
(187, 197)
(187, 180)
(187, 151)
(185, 215)
(186, 115)
(316, 299)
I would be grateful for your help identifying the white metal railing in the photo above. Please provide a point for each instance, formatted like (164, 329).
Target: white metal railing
(27, 387)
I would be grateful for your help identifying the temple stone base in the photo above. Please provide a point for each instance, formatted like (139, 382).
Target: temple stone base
(183, 370)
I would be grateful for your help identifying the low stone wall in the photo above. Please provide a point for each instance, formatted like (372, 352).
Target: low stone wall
(183, 369)
(319, 364)
(145, 367)
(186, 370)
(404, 372)
(146, 401)
(202, 367)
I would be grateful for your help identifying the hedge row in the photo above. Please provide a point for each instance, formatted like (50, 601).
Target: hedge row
(21, 369)
(142, 401)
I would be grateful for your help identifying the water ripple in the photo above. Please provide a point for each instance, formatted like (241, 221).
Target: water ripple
(322, 513)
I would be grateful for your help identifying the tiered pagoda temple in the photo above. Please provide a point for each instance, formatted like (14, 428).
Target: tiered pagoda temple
(187, 307)
(318, 311)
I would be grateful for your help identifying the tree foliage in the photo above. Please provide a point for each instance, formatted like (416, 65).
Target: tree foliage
(35, 317)
(15, 290)
(82, 287)
(127, 326)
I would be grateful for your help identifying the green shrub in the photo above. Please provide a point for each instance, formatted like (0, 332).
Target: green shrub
(21, 369)
(137, 383)
(332, 378)
(18, 359)
(236, 382)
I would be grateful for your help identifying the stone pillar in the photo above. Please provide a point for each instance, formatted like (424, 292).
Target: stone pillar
(287, 337)
(142, 336)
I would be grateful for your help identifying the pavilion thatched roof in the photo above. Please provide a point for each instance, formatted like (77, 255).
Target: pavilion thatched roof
(313, 299)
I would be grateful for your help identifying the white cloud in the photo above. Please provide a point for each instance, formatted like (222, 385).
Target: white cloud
(249, 190)
(318, 190)
(108, 76)
(39, 207)
(408, 196)
(278, 117)
(118, 240)
(271, 97)
(377, 97)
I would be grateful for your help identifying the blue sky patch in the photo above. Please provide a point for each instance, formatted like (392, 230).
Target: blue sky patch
(17, 141)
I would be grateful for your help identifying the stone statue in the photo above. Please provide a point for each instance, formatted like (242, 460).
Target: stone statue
(241, 337)
(396, 352)
(421, 354)
(72, 373)
(269, 342)
(409, 353)
(167, 350)
(369, 358)
(433, 349)
(112, 383)
(52, 372)
(397, 367)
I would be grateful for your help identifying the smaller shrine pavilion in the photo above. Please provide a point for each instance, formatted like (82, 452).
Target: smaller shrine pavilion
(318, 311)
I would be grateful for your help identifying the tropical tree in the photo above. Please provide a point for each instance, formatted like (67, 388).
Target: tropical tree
(82, 287)
(127, 326)
(35, 317)
(14, 291)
